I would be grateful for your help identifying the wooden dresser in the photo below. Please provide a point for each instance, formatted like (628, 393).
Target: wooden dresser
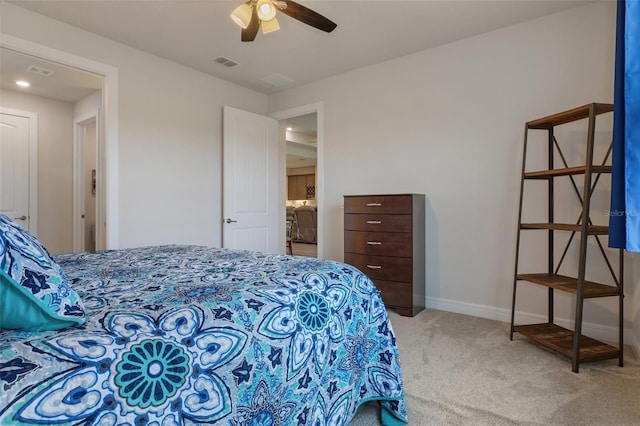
(384, 238)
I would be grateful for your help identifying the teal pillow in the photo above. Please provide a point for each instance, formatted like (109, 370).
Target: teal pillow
(34, 292)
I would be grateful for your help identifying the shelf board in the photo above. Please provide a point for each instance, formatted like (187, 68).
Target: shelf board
(591, 230)
(574, 114)
(570, 285)
(580, 170)
(560, 339)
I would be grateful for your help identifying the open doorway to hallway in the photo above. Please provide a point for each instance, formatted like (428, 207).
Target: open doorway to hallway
(302, 184)
(57, 95)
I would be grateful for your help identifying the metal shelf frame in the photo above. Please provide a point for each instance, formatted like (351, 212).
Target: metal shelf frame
(573, 344)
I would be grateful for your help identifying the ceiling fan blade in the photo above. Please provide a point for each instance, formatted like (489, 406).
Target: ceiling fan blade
(306, 15)
(249, 33)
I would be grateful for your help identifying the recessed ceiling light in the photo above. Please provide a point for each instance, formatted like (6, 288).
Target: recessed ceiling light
(23, 83)
(289, 129)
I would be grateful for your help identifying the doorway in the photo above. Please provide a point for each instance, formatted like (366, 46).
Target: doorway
(55, 94)
(301, 139)
(85, 187)
(107, 127)
(301, 144)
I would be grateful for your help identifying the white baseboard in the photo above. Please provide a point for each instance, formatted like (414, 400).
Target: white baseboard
(634, 342)
(600, 332)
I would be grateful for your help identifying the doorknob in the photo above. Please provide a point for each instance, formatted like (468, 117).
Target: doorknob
(23, 217)
(229, 220)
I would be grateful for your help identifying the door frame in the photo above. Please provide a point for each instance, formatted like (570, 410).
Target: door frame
(108, 140)
(316, 107)
(33, 164)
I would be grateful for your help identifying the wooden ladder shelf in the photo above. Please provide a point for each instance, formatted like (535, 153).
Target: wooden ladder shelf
(571, 343)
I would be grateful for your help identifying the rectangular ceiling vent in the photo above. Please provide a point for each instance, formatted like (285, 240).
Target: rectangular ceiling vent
(278, 80)
(40, 71)
(226, 61)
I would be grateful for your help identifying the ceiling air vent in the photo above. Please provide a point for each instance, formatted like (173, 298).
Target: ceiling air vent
(278, 80)
(40, 71)
(225, 61)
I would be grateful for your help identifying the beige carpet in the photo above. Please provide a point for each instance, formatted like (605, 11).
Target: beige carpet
(462, 370)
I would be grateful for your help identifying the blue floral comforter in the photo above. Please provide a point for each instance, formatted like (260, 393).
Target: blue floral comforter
(190, 335)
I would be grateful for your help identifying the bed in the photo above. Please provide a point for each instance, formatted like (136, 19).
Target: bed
(181, 334)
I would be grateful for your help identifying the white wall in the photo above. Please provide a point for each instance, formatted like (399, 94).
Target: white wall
(169, 136)
(88, 106)
(55, 173)
(448, 122)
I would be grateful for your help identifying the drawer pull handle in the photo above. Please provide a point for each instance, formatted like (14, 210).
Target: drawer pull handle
(374, 222)
(374, 266)
(374, 243)
(374, 205)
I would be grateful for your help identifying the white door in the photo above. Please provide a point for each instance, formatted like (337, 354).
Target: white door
(14, 168)
(250, 182)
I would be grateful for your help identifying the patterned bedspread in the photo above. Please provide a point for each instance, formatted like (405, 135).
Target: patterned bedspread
(191, 335)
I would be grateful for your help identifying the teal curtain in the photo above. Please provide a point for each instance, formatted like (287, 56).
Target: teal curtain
(624, 218)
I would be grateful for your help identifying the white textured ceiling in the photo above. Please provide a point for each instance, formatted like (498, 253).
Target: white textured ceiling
(193, 33)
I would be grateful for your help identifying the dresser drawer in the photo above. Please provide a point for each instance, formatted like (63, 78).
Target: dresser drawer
(395, 294)
(384, 238)
(377, 222)
(382, 267)
(379, 204)
(397, 244)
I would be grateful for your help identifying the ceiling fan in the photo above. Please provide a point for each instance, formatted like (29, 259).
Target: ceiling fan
(253, 14)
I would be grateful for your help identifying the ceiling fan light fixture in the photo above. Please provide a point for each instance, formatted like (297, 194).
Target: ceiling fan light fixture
(263, 14)
(266, 10)
(270, 26)
(241, 15)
